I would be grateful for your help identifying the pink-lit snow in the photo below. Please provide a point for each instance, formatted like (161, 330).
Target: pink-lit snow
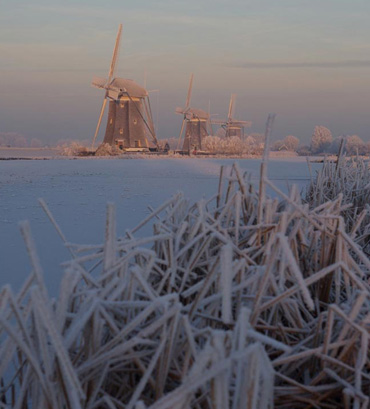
(77, 191)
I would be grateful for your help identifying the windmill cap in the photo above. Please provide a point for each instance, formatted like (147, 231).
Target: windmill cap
(199, 113)
(129, 86)
(121, 85)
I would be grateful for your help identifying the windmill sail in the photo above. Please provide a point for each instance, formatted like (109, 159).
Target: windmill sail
(129, 123)
(196, 121)
(233, 127)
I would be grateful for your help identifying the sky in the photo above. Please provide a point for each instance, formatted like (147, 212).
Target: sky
(306, 61)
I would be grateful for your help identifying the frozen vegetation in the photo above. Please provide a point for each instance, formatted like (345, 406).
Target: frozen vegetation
(251, 145)
(238, 301)
(78, 190)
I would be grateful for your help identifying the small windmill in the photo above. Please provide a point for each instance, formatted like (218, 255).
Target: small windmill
(232, 126)
(129, 115)
(196, 121)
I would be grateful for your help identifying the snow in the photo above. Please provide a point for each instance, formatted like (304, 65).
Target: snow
(77, 192)
(28, 153)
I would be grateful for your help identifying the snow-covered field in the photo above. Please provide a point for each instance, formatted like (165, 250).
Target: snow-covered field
(77, 192)
(28, 153)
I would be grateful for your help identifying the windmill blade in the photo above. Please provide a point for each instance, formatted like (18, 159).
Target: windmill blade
(115, 54)
(99, 122)
(245, 124)
(179, 110)
(99, 82)
(231, 107)
(188, 97)
(182, 128)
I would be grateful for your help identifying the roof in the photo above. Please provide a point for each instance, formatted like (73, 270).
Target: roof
(198, 113)
(130, 86)
(119, 86)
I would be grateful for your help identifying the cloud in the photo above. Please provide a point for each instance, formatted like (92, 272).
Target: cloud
(303, 64)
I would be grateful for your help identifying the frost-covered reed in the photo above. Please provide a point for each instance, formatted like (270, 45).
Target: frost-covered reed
(348, 178)
(231, 303)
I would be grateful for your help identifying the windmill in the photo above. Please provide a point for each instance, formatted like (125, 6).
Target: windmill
(232, 126)
(196, 121)
(129, 115)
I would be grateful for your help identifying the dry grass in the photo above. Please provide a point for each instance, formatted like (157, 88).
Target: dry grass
(349, 179)
(241, 301)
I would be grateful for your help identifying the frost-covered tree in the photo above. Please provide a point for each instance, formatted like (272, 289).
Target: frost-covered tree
(259, 138)
(304, 151)
(278, 145)
(232, 146)
(335, 145)
(249, 140)
(62, 143)
(12, 139)
(173, 142)
(221, 133)
(321, 139)
(354, 145)
(367, 148)
(289, 143)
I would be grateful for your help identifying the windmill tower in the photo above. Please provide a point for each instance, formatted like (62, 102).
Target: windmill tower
(196, 121)
(129, 116)
(232, 126)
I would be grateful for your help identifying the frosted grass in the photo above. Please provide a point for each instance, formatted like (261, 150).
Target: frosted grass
(229, 303)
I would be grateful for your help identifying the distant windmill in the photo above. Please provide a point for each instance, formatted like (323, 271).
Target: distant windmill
(232, 126)
(196, 121)
(129, 116)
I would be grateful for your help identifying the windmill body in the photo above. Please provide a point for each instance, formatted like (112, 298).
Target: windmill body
(125, 127)
(129, 120)
(196, 121)
(234, 130)
(126, 115)
(233, 127)
(196, 129)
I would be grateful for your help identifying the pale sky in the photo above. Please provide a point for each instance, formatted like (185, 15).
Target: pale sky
(306, 60)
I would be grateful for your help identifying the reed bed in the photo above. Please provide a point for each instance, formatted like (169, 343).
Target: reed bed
(240, 301)
(350, 179)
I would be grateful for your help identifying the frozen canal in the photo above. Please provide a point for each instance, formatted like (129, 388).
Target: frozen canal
(77, 192)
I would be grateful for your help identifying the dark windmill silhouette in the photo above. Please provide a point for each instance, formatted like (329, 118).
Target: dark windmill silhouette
(233, 127)
(129, 121)
(196, 121)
